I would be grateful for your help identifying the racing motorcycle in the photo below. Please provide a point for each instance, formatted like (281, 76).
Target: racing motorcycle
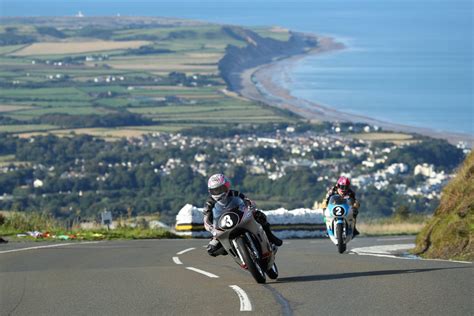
(339, 221)
(244, 238)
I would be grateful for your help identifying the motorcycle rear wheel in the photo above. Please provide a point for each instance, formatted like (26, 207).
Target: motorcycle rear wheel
(341, 246)
(251, 261)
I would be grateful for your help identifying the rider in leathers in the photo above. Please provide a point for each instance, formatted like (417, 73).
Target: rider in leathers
(219, 188)
(343, 188)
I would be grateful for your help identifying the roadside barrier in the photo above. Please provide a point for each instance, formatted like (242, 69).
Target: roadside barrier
(297, 223)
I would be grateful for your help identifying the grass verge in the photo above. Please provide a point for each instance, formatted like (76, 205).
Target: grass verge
(392, 226)
(42, 227)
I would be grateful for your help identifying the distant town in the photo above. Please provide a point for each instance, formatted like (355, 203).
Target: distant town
(131, 115)
(290, 166)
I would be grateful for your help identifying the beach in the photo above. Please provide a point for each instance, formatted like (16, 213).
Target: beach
(259, 84)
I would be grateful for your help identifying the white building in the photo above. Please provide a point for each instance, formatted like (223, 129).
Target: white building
(38, 183)
(425, 170)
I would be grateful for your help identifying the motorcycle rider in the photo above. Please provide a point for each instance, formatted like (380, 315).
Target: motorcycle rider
(343, 188)
(219, 189)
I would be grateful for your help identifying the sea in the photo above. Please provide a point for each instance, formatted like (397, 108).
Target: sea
(407, 62)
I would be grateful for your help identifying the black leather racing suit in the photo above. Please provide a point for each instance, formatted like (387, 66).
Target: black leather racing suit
(260, 217)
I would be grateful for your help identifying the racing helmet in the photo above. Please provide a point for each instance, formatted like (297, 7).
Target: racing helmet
(218, 186)
(343, 185)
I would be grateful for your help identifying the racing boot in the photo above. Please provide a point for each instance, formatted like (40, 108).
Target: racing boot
(272, 238)
(261, 218)
(356, 232)
(214, 248)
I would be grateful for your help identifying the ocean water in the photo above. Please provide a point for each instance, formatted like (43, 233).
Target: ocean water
(407, 61)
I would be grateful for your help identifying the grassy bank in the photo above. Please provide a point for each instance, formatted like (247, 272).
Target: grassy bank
(450, 232)
(390, 229)
(41, 227)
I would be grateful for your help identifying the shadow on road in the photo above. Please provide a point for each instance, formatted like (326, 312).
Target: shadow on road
(324, 277)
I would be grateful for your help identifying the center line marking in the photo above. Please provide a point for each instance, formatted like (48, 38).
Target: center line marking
(184, 251)
(245, 304)
(203, 272)
(176, 260)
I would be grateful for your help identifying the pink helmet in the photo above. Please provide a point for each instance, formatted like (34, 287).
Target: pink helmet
(343, 184)
(218, 186)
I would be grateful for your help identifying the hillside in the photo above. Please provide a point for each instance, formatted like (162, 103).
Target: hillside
(260, 50)
(449, 234)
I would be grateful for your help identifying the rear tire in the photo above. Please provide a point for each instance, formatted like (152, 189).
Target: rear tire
(341, 246)
(273, 272)
(251, 261)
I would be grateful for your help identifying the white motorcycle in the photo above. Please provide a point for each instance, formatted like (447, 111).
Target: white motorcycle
(244, 238)
(339, 221)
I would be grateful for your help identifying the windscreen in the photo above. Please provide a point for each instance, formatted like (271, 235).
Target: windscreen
(337, 199)
(231, 204)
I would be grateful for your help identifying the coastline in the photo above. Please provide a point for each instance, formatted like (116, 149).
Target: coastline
(258, 84)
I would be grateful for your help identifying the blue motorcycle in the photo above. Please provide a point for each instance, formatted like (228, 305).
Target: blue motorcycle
(339, 221)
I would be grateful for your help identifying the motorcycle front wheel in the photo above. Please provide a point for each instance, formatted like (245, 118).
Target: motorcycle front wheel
(341, 246)
(250, 260)
(273, 272)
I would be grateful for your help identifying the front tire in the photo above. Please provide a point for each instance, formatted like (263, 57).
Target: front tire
(251, 261)
(341, 246)
(273, 272)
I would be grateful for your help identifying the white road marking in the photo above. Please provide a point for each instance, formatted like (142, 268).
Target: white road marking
(184, 251)
(394, 239)
(176, 260)
(245, 304)
(382, 249)
(378, 255)
(203, 272)
(385, 251)
(444, 260)
(49, 246)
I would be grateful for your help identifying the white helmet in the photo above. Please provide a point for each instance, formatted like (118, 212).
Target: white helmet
(218, 186)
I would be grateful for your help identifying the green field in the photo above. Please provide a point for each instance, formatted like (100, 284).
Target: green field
(212, 113)
(25, 128)
(130, 80)
(9, 49)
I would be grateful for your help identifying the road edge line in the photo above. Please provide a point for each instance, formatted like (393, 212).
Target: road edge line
(48, 246)
(384, 252)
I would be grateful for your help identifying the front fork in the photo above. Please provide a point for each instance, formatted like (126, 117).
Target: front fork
(253, 249)
(239, 255)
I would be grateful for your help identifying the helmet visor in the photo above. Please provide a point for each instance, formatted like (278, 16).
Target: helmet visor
(343, 187)
(218, 190)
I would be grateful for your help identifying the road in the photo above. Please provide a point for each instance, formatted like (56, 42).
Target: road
(177, 277)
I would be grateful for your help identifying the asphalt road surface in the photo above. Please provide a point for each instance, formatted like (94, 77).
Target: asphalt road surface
(177, 277)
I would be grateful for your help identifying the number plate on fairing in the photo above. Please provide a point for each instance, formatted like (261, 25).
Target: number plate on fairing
(338, 211)
(228, 220)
